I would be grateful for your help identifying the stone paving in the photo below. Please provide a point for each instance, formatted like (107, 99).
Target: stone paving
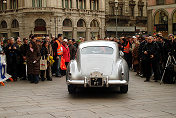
(51, 100)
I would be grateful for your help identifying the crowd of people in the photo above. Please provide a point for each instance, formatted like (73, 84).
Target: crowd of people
(23, 57)
(145, 55)
(148, 55)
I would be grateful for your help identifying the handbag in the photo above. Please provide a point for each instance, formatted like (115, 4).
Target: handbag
(62, 64)
(43, 64)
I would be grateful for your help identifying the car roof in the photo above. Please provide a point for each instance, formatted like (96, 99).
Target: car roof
(98, 43)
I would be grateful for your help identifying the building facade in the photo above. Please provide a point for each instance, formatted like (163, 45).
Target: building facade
(162, 17)
(125, 17)
(72, 18)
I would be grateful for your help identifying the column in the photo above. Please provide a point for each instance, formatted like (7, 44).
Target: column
(170, 26)
(82, 4)
(63, 4)
(74, 4)
(8, 4)
(101, 5)
(88, 4)
(59, 3)
(78, 4)
(69, 4)
(88, 38)
(75, 33)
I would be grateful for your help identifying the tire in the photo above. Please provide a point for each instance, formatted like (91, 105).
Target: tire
(71, 89)
(124, 89)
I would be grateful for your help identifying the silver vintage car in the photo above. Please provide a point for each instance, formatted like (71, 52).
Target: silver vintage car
(98, 64)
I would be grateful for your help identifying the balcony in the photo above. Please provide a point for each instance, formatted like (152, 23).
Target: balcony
(120, 17)
(141, 18)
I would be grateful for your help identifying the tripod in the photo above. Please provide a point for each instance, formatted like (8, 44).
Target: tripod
(169, 61)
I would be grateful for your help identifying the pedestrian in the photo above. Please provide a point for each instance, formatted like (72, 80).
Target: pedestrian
(66, 54)
(58, 51)
(24, 49)
(19, 59)
(72, 49)
(12, 51)
(33, 61)
(151, 55)
(45, 74)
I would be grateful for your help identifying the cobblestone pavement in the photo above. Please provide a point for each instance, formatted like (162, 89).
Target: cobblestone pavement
(51, 100)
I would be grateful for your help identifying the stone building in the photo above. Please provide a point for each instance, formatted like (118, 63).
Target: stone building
(162, 17)
(125, 17)
(73, 18)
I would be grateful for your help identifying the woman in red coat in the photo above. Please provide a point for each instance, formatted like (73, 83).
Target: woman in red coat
(66, 53)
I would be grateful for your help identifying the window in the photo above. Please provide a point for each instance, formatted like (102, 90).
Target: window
(14, 4)
(81, 23)
(40, 25)
(132, 11)
(39, 3)
(33, 3)
(3, 24)
(3, 5)
(94, 23)
(160, 2)
(67, 23)
(15, 24)
(36, 3)
(97, 50)
(70, 3)
(80, 4)
(121, 11)
(140, 11)
(94, 5)
(66, 4)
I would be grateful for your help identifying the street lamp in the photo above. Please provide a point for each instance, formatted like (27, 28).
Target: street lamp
(116, 9)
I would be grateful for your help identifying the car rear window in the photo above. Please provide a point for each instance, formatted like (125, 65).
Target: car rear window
(97, 50)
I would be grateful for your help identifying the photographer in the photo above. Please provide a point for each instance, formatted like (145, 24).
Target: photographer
(151, 57)
(169, 48)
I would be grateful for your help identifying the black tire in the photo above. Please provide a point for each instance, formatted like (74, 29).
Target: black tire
(124, 89)
(71, 89)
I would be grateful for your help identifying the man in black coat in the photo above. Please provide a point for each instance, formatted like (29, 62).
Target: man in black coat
(12, 51)
(151, 58)
(24, 49)
(72, 49)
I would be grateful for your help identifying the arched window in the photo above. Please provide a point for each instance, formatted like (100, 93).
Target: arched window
(81, 23)
(161, 18)
(15, 24)
(40, 25)
(161, 21)
(3, 24)
(67, 23)
(94, 23)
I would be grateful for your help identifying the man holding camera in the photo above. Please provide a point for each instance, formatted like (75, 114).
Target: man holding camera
(151, 59)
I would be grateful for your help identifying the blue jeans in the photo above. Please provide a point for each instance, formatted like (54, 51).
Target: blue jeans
(58, 73)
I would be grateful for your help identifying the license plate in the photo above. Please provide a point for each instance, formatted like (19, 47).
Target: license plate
(96, 82)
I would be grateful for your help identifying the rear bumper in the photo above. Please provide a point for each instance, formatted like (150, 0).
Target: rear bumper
(106, 82)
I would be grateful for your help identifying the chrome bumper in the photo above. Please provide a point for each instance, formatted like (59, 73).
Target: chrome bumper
(107, 82)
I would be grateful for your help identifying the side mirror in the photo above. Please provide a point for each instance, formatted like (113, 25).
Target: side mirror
(121, 54)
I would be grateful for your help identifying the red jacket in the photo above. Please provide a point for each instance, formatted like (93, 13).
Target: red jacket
(66, 53)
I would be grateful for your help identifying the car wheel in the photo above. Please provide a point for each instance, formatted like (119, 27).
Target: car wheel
(71, 89)
(124, 89)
